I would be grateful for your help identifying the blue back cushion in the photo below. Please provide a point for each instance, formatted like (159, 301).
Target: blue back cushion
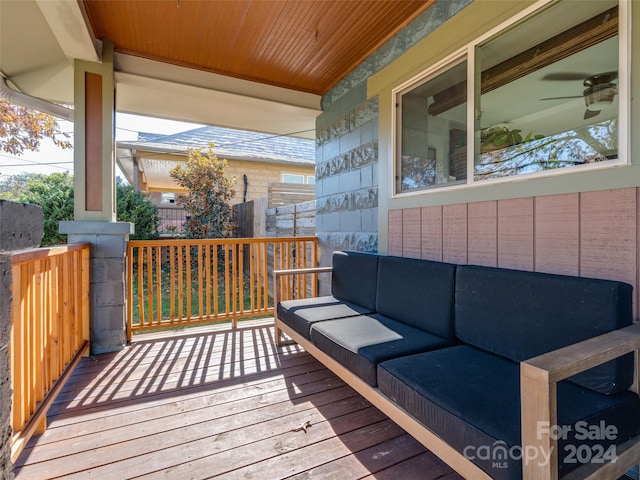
(354, 278)
(418, 293)
(520, 315)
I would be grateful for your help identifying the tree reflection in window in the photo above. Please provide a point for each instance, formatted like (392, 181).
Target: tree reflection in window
(590, 144)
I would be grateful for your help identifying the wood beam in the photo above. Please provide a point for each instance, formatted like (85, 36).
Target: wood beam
(576, 39)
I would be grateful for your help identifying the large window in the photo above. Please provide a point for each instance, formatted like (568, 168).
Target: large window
(547, 97)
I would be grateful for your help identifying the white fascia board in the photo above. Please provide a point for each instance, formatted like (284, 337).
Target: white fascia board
(144, 67)
(179, 101)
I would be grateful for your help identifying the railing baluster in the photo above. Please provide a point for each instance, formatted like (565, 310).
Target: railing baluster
(227, 282)
(180, 285)
(149, 286)
(208, 278)
(158, 281)
(54, 332)
(200, 285)
(140, 252)
(172, 284)
(252, 296)
(188, 285)
(216, 281)
(265, 275)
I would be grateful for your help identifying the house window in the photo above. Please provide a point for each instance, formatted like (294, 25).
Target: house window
(311, 180)
(292, 178)
(168, 197)
(433, 129)
(547, 96)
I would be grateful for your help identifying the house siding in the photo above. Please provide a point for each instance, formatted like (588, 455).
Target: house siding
(259, 175)
(590, 234)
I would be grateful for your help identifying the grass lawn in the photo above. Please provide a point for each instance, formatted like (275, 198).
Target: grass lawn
(224, 304)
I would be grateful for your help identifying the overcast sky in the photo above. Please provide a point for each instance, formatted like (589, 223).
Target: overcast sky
(51, 159)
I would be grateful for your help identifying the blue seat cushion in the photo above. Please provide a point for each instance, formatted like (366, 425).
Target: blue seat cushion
(301, 314)
(418, 293)
(354, 278)
(471, 399)
(520, 315)
(360, 343)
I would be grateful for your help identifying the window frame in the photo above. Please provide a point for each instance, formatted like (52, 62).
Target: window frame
(468, 53)
(297, 175)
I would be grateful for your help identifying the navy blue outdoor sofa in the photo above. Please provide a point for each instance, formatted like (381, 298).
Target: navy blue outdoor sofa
(503, 374)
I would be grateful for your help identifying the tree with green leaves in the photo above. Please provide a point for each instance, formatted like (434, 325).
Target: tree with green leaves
(23, 129)
(12, 186)
(207, 203)
(133, 207)
(54, 193)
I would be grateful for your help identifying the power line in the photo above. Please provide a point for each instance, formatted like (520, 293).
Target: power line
(223, 145)
(35, 164)
(32, 162)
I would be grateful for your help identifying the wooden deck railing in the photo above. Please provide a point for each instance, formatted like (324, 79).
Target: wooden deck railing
(176, 283)
(49, 332)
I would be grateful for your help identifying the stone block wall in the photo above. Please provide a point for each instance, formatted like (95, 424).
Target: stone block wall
(347, 183)
(21, 227)
(347, 144)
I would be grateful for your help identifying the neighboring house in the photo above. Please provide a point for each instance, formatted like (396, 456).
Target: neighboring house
(254, 159)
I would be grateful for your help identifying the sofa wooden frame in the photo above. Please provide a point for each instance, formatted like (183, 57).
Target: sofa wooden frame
(538, 377)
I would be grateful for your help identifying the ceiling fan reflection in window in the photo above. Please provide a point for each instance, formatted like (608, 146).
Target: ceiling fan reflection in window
(599, 93)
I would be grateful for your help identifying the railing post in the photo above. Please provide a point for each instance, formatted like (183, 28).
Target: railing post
(21, 227)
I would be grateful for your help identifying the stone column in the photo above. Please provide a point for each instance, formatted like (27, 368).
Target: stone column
(95, 199)
(21, 227)
(107, 281)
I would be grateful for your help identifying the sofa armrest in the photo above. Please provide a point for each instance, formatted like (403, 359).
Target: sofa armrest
(278, 274)
(538, 380)
(300, 271)
(277, 291)
(573, 359)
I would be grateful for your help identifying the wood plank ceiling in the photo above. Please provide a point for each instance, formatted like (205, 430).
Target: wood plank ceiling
(301, 45)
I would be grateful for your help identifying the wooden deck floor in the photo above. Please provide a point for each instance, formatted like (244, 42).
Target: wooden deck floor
(218, 403)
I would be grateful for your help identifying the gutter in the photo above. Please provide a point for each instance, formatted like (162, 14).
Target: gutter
(18, 98)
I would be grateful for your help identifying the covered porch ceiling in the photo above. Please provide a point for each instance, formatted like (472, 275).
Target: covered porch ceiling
(259, 65)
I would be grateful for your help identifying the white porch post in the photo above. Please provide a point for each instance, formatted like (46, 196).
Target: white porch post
(95, 200)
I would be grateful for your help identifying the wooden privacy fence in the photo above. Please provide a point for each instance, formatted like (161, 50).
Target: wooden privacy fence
(281, 194)
(49, 331)
(292, 220)
(176, 283)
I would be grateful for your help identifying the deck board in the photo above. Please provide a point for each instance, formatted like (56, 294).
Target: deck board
(217, 403)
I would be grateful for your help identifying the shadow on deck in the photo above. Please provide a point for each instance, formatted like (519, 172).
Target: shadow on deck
(203, 403)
